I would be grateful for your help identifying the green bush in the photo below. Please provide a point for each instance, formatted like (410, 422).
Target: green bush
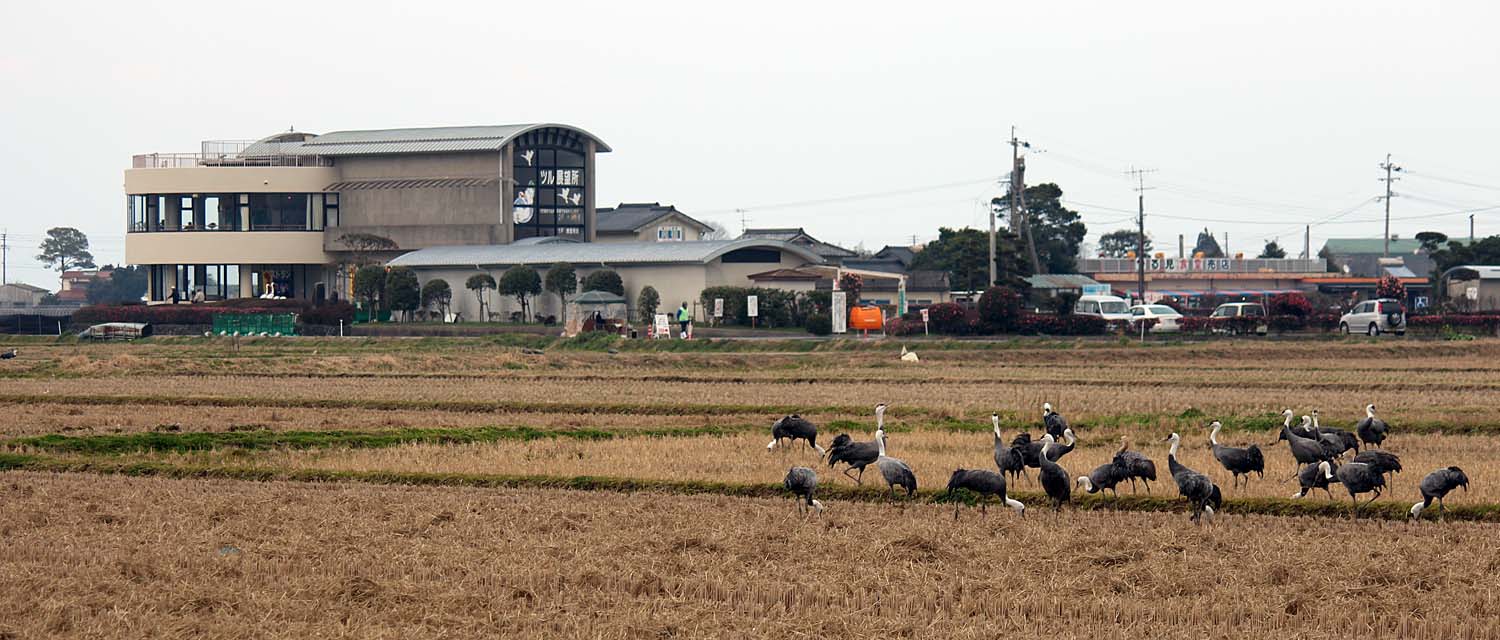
(604, 280)
(819, 324)
(777, 308)
(647, 303)
(401, 289)
(369, 285)
(1000, 308)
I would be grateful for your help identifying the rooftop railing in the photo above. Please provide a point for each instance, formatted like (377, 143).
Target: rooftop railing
(190, 160)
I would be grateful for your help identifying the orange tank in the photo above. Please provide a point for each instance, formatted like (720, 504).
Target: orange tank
(866, 319)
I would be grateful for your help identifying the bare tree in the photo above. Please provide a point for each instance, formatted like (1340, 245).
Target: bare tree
(715, 231)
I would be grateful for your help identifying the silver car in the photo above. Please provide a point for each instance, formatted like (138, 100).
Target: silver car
(1374, 317)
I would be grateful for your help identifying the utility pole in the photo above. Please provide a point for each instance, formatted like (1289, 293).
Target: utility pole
(1017, 205)
(1388, 195)
(1307, 242)
(5, 252)
(1140, 231)
(1181, 247)
(1471, 228)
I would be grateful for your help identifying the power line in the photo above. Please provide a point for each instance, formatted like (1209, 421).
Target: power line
(849, 198)
(1475, 185)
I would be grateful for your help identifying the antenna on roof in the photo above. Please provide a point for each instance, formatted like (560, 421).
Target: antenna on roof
(744, 222)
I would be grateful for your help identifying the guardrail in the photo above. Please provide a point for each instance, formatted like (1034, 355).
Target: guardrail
(1211, 265)
(191, 160)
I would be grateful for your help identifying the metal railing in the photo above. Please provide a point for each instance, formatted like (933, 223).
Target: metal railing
(1218, 265)
(190, 160)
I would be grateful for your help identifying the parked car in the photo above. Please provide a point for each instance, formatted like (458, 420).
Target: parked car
(1166, 317)
(1242, 310)
(1107, 307)
(1374, 317)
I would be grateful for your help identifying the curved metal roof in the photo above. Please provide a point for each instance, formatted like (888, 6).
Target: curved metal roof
(1480, 272)
(607, 253)
(426, 140)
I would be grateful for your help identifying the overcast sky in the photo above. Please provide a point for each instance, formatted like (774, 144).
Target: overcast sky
(1255, 122)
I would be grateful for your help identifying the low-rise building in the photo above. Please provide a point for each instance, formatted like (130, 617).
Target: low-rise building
(76, 283)
(648, 222)
(831, 253)
(20, 294)
(1367, 257)
(1473, 288)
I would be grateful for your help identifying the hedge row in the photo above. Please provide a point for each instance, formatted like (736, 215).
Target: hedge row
(203, 314)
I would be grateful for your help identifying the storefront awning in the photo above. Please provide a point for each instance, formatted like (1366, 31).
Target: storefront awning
(1192, 293)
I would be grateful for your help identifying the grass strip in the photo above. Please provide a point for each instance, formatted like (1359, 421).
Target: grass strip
(167, 442)
(830, 494)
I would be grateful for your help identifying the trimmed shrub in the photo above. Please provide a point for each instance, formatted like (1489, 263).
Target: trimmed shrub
(946, 317)
(647, 303)
(604, 280)
(1000, 308)
(1290, 304)
(819, 324)
(401, 289)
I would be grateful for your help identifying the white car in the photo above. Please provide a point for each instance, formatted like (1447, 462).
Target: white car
(1374, 317)
(1107, 307)
(1166, 317)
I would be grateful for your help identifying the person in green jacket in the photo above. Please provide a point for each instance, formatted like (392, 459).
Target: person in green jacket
(684, 318)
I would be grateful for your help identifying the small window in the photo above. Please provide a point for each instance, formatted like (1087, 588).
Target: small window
(1224, 312)
(1081, 307)
(669, 234)
(1137, 311)
(1254, 310)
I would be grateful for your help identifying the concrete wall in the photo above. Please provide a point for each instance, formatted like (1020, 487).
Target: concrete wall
(14, 296)
(225, 247)
(230, 180)
(1489, 294)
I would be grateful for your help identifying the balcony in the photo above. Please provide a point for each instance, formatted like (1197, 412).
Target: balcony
(277, 151)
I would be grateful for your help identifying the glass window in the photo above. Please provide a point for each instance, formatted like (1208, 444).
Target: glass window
(1137, 311)
(1112, 306)
(1224, 312)
(668, 234)
(1081, 307)
(549, 191)
(1390, 307)
(1254, 310)
(1161, 309)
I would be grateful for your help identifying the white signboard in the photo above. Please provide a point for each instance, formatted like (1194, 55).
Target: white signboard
(840, 311)
(752, 306)
(1096, 289)
(1471, 293)
(924, 322)
(663, 325)
(718, 307)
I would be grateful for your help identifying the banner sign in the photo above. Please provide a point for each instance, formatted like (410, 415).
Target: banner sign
(718, 307)
(752, 306)
(840, 312)
(1096, 290)
(663, 325)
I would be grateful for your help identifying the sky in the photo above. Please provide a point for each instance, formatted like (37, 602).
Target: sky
(863, 122)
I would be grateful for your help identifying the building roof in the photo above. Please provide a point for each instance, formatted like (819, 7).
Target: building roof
(411, 140)
(1474, 272)
(903, 254)
(1355, 246)
(631, 217)
(598, 297)
(25, 287)
(1060, 281)
(799, 235)
(590, 253)
(871, 264)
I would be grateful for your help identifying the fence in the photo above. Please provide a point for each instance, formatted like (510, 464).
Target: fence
(255, 323)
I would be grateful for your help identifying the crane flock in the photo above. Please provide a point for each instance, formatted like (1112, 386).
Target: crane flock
(1320, 454)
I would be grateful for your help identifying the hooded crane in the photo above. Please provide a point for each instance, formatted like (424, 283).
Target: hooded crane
(984, 483)
(1304, 450)
(1031, 452)
(1382, 461)
(793, 428)
(1436, 486)
(1194, 486)
(1054, 421)
(858, 455)
(1053, 477)
(9, 354)
(802, 482)
(1235, 460)
(895, 472)
(1007, 458)
(1357, 478)
(1371, 430)
(1135, 465)
(1316, 477)
(1346, 440)
(1103, 478)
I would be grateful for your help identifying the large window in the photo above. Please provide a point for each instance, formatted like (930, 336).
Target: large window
(191, 282)
(550, 183)
(227, 211)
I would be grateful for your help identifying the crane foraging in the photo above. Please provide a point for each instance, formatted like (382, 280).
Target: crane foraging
(803, 482)
(1382, 461)
(1135, 465)
(895, 472)
(1305, 450)
(794, 428)
(984, 483)
(1053, 477)
(1436, 486)
(1371, 430)
(1103, 478)
(1315, 477)
(1202, 493)
(1237, 461)
(908, 356)
(858, 455)
(1357, 478)
(9, 354)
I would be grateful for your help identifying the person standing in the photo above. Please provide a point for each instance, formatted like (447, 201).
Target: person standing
(685, 319)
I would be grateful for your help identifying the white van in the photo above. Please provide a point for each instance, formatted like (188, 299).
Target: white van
(1107, 307)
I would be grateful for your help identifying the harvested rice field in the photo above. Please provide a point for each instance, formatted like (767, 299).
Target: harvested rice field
(463, 487)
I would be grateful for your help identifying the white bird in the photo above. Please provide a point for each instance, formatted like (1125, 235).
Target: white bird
(908, 356)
